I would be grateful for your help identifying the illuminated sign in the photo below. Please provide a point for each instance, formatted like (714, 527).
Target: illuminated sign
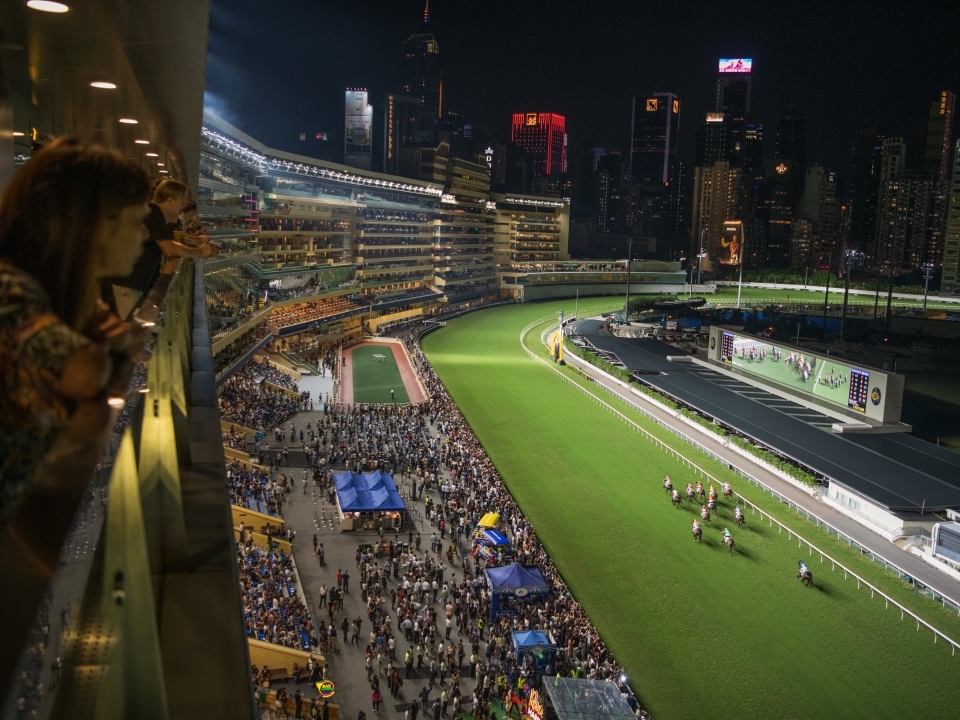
(781, 168)
(531, 119)
(535, 706)
(652, 104)
(736, 65)
(714, 117)
(676, 106)
(943, 102)
(731, 242)
(326, 688)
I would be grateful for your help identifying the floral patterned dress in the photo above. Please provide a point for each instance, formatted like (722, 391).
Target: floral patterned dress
(34, 347)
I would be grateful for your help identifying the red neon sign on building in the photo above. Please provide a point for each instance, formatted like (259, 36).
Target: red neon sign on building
(544, 136)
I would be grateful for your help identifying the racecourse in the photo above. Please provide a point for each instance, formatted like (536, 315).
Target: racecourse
(703, 633)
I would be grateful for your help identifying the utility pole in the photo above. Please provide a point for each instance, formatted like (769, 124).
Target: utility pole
(846, 293)
(927, 277)
(826, 295)
(743, 247)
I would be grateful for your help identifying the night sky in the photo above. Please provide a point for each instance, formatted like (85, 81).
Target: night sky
(276, 69)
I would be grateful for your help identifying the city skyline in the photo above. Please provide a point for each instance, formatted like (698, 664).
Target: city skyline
(827, 66)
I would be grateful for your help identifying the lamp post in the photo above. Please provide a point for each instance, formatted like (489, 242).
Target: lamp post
(699, 257)
(743, 247)
(927, 277)
(626, 307)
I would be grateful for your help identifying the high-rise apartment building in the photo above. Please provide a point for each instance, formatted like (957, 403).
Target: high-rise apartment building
(717, 196)
(654, 134)
(423, 73)
(936, 151)
(614, 196)
(950, 283)
(544, 137)
(865, 188)
(820, 208)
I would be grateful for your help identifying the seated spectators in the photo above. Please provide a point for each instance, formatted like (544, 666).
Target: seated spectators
(272, 611)
(310, 311)
(243, 401)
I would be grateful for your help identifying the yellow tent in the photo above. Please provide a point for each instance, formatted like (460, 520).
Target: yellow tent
(490, 520)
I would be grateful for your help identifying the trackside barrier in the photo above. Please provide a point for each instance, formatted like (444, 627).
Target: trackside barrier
(922, 588)
(801, 541)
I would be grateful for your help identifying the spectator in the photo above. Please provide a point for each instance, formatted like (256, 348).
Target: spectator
(72, 216)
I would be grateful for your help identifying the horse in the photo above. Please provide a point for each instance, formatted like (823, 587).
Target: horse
(705, 514)
(806, 577)
(690, 493)
(675, 499)
(697, 534)
(712, 505)
(727, 490)
(728, 540)
(667, 485)
(712, 496)
(739, 518)
(700, 491)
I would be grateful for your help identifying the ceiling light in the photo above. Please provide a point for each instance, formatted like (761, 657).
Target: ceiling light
(17, 133)
(103, 85)
(128, 121)
(152, 155)
(116, 402)
(47, 6)
(163, 171)
(160, 165)
(142, 142)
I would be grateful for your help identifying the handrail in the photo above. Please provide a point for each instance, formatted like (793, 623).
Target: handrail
(790, 533)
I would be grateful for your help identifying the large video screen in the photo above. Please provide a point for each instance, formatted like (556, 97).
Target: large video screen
(837, 383)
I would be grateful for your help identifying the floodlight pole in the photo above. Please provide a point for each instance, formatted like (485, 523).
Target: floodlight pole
(626, 307)
(743, 246)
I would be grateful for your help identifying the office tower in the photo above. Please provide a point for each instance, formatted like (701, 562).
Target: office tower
(791, 146)
(614, 196)
(936, 151)
(654, 133)
(717, 196)
(422, 71)
(358, 129)
(544, 136)
(820, 208)
(950, 283)
(712, 141)
(597, 154)
(734, 80)
(775, 207)
(400, 113)
(865, 188)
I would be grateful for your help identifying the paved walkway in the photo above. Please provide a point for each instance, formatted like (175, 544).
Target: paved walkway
(308, 514)
(908, 562)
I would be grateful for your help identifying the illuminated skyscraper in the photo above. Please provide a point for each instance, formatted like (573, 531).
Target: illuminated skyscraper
(422, 71)
(544, 136)
(936, 152)
(654, 132)
(734, 84)
(950, 284)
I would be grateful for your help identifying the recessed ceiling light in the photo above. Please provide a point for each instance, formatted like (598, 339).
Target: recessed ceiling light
(128, 121)
(152, 155)
(163, 171)
(103, 85)
(160, 165)
(47, 6)
(142, 142)
(17, 133)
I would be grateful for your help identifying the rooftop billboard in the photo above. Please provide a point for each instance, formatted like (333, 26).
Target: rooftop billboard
(736, 65)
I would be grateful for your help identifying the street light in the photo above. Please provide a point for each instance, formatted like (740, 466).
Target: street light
(927, 277)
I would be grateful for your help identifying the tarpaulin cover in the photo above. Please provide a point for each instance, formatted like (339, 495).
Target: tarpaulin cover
(495, 538)
(367, 492)
(489, 520)
(530, 639)
(514, 576)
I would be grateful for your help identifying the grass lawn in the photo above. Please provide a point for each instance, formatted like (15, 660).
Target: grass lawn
(702, 633)
(726, 293)
(372, 380)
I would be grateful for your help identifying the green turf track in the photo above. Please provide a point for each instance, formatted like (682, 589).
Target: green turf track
(372, 381)
(702, 634)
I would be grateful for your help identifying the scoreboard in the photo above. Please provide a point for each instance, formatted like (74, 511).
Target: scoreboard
(859, 389)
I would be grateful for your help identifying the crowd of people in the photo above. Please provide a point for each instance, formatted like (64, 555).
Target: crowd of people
(245, 402)
(273, 610)
(310, 311)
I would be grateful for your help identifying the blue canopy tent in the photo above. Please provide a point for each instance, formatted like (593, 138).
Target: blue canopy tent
(366, 495)
(535, 648)
(513, 584)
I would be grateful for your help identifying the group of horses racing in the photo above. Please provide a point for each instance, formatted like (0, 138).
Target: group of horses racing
(708, 500)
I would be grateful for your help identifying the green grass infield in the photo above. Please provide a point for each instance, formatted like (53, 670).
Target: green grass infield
(373, 380)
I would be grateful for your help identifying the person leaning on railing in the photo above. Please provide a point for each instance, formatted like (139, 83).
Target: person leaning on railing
(71, 216)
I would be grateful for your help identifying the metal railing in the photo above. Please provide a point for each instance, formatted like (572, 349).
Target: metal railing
(708, 476)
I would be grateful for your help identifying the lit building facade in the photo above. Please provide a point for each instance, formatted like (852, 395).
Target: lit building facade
(950, 283)
(936, 151)
(544, 137)
(717, 196)
(654, 134)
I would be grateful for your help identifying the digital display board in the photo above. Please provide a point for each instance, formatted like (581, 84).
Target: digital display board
(736, 65)
(731, 241)
(825, 378)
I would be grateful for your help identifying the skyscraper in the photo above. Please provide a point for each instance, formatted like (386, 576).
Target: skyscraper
(791, 146)
(865, 190)
(936, 151)
(734, 84)
(358, 129)
(820, 207)
(614, 196)
(544, 136)
(654, 133)
(400, 113)
(422, 70)
(717, 196)
(950, 283)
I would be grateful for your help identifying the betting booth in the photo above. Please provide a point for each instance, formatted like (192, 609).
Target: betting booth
(368, 501)
(535, 650)
(514, 585)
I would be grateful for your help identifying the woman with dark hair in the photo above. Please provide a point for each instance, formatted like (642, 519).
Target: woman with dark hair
(71, 216)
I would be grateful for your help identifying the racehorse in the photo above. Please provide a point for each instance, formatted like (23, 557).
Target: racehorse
(727, 490)
(712, 505)
(729, 543)
(700, 491)
(690, 493)
(667, 485)
(806, 577)
(704, 513)
(675, 499)
(697, 532)
(739, 518)
(713, 494)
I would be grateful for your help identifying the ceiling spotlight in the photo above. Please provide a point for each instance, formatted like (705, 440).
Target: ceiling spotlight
(163, 172)
(142, 142)
(128, 121)
(47, 6)
(17, 133)
(160, 165)
(116, 402)
(103, 85)
(151, 155)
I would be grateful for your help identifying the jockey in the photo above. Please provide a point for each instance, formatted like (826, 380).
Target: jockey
(699, 485)
(726, 534)
(803, 566)
(713, 490)
(737, 511)
(696, 525)
(726, 487)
